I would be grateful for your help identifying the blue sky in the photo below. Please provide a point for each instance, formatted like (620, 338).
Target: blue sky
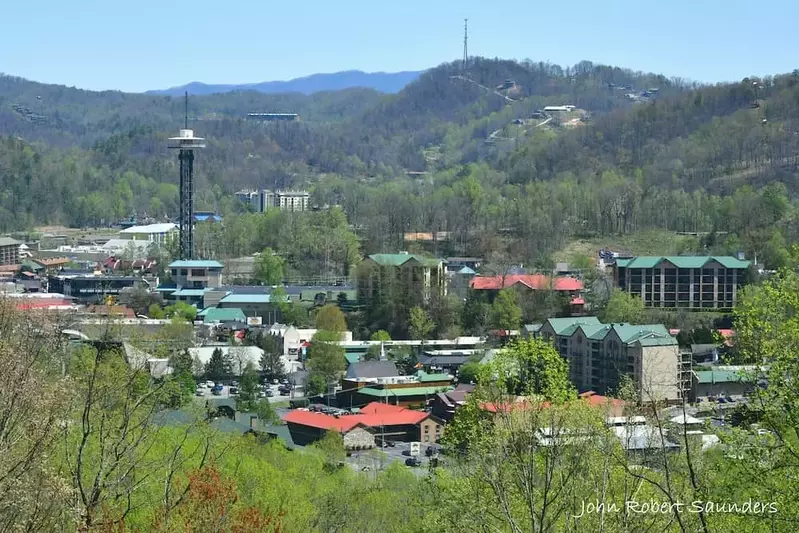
(134, 45)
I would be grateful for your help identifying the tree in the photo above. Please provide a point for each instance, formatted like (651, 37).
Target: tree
(330, 318)
(269, 267)
(266, 413)
(247, 400)
(181, 310)
(468, 372)
(155, 311)
(623, 307)
(505, 311)
(271, 361)
(216, 368)
(419, 324)
(315, 384)
(374, 350)
(332, 448)
(325, 357)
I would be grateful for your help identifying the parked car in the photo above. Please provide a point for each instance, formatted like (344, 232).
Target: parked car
(413, 461)
(210, 384)
(269, 393)
(199, 392)
(284, 392)
(722, 400)
(285, 381)
(275, 382)
(234, 383)
(233, 390)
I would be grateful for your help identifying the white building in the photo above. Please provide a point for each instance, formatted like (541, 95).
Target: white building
(291, 340)
(156, 233)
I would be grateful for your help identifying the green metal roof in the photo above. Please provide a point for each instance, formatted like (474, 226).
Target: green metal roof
(409, 391)
(352, 357)
(215, 314)
(681, 261)
(401, 259)
(562, 324)
(183, 263)
(592, 328)
(424, 377)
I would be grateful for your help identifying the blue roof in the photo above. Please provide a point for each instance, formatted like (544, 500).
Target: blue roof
(246, 299)
(206, 217)
(195, 263)
(166, 288)
(189, 292)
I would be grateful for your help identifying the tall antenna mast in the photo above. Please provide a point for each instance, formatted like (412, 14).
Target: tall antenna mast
(465, 41)
(186, 110)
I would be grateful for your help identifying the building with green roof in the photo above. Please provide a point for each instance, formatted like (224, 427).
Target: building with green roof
(217, 314)
(689, 282)
(724, 381)
(600, 354)
(423, 275)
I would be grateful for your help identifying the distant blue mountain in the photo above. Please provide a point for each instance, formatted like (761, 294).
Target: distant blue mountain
(385, 82)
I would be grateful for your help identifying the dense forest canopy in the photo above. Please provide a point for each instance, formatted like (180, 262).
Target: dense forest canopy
(641, 151)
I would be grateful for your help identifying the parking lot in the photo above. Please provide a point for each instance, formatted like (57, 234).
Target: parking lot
(379, 459)
(276, 396)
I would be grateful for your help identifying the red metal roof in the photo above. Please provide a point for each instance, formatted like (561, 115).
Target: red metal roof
(577, 301)
(373, 415)
(43, 303)
(533, 281)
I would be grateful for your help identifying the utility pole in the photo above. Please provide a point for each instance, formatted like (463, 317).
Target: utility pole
(465, 42)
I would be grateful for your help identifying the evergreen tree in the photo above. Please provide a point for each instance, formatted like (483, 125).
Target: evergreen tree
(247, 399)
(216, 368)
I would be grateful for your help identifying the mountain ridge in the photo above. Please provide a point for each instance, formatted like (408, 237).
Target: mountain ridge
(385, 82)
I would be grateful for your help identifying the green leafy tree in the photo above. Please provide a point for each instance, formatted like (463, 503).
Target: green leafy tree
(419, 323)
(315, 384)
(505, 311)
(374, 351)
(156, 311)
(468, 372)
(332, 448)
(623, 307)
(330, 318)
(247, 400)
(266, 413)
(325, 357)
(269, 267)
(181, 310)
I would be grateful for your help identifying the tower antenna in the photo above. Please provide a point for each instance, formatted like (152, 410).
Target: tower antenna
(465, 41)
(186, 110)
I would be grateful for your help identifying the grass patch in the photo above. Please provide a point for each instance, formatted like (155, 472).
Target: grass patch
(649, 242)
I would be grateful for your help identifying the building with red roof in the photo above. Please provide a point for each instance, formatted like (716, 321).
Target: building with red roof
(389, 422)
(536, 282)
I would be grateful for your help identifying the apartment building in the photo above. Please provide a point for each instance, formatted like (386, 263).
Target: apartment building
(426, 276)
(9, 251)
(702, 282)
(266, 199)
(600, 354)
(192, 278)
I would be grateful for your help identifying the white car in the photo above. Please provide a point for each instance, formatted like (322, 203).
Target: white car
(210, 384)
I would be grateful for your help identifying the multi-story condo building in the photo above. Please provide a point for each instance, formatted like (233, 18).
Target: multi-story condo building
(9, 251)
(423, 275)
(702, 282)
(600, 354)
(266, 199)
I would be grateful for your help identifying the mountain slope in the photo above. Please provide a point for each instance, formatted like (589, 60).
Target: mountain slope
(384, 82)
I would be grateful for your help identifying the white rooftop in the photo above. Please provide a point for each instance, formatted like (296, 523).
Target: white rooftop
(150, 228)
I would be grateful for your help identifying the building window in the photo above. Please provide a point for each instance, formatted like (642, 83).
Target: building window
(183, 272)
(174, 271)
(199, 272)
(427, 438)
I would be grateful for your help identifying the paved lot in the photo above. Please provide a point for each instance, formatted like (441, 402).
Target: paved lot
(297, 392)
(381, 458)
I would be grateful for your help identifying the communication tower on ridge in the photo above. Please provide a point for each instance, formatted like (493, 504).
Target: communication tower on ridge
(465, 41)
(186, 142)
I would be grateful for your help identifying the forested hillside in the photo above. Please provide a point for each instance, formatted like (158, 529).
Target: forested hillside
(640, 151)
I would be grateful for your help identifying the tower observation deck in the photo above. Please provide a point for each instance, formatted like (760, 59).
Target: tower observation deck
(186, 143)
